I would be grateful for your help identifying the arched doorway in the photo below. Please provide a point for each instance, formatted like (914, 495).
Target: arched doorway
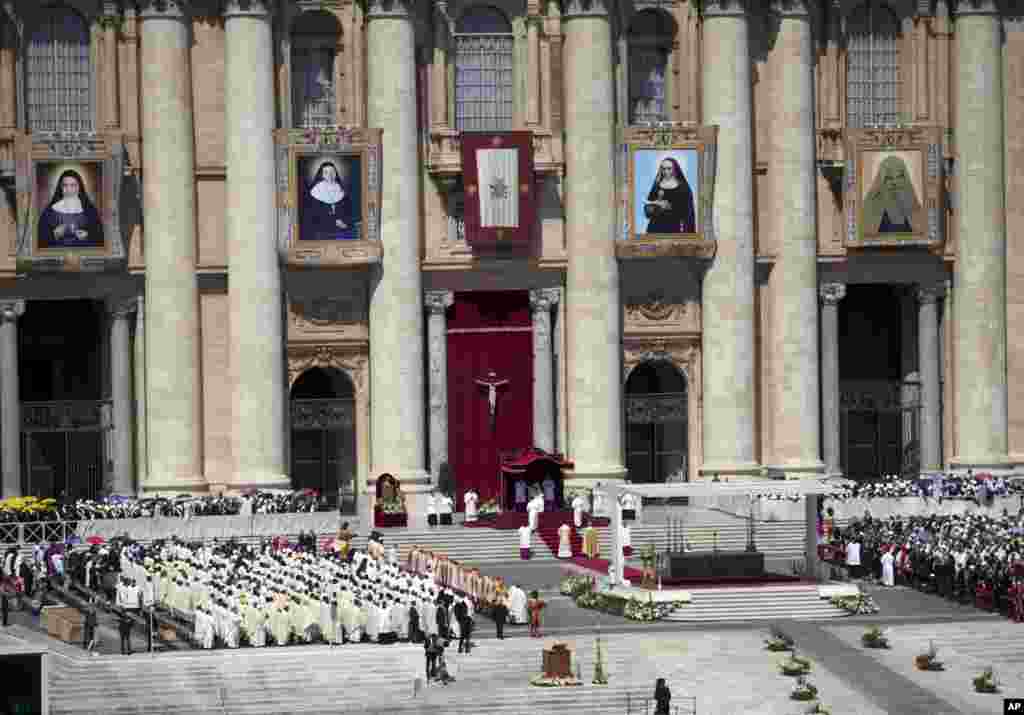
(657, 448)
(323, 448)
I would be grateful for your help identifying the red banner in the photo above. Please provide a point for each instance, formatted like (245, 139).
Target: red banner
(497, 171)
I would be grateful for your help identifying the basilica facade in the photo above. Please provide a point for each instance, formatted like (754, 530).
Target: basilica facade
(304, 243)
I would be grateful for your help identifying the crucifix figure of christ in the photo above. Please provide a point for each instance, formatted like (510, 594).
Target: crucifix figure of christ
(492, 383)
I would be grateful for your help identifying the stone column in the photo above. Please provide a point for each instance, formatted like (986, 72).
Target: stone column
(254, 285)
(542, 300)
(728, 293)
(437, 302)
(812, 567)
(929, 354)
(831, 294)
(120, 312)
(593, 312)
(111, 96)
(139, 362)
(980, 306)
(533, 21)
(169, 219)
(795, 392)
(396, 294)
(910, 378)
(10, 402)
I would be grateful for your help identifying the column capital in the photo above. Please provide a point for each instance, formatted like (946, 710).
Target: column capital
(389, 8)
(11, 310)
(543, 299)
(930, 293)
(792, 8)
(586, 8)
(724, 8)
(122, 308)
(831, 293)
(178, 9)
(438, 301)
(962, 8)
(248, 8)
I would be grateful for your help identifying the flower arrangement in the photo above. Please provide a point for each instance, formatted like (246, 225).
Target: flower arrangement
(395, 505)
(543, 681)
(648, 556)
(581, 590)
(804, 690)
(795, 665)
(28, 508)
(575, 585)
(929, 660)
(819, 709)
(778, 641)
(488, 509)
(986, 682)
(857, 605)
(874, 638)
(637, 610)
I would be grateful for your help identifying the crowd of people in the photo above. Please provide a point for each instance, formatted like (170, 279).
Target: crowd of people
(970, 558)
(980, 488)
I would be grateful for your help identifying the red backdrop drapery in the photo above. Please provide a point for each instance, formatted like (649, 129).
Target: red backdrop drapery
(488, 330)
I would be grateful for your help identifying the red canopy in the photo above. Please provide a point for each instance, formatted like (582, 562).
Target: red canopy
(519, 461)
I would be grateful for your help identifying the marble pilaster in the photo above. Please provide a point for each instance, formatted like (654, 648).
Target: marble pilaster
(980, 307)
(831, 294)
(730, 444)
(594, 343)
(139, 365)
(120, 313)
(256, 354)
(795, 395)
(542, 300)
(929, 356)
(397, 430)
(169, 211)
(10, 402)
(437, 303)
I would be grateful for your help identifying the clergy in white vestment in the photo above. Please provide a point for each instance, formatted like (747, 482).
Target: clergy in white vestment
(524, 542)
(564, 545)
(578, 504)
(534, 508)
(445, 507)
(517, 605)
(373, 618)
(432, 509)
(888, 570)
(400, 619)
(471, 499)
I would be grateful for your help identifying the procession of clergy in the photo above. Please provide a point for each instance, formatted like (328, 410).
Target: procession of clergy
(237, 595)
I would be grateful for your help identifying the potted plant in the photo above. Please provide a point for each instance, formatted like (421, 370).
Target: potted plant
(778, 641)
(986, 682)
(819, 709)
(795, 666)
(804, 690)
(874, 638)
(928, 660)
(649, 559)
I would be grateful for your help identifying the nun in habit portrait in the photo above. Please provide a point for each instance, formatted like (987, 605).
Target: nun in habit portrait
(327, 208)
(70, 219)
(892, 204)
(669, 205)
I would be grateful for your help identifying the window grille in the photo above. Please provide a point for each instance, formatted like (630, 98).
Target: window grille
(313, 54)
(483, 71)
(872, 67)
(650, 42)
(58, 96)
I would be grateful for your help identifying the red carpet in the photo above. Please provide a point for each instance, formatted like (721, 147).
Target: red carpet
(635, 576)
(546, 519)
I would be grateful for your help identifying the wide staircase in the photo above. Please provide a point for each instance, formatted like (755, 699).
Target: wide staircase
(798, 601)
(369, 679)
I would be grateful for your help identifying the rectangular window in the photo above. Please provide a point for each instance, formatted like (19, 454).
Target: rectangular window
(313, 86)
(483, 83)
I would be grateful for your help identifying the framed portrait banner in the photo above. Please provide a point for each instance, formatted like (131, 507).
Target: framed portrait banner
(497, 171)
(329, 196)
(68, 194)
(668, 190)
(894, 191)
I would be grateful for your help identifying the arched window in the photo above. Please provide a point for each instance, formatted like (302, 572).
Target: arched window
(58, 75)
(483, 71)
(650, 45)
(314, 49)
(872, 66)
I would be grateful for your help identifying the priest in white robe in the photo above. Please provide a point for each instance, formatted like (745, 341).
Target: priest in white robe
(517, 605)
(471, 499)
(534, 508)
(578, 505)
(525, 533)
(888, 568)
(564, 544)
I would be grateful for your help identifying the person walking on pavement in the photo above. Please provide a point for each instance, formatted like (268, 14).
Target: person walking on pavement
(89, 631)
(500, 616)
(124, 625)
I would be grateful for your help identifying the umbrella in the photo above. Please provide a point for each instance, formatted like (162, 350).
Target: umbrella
(95, 540)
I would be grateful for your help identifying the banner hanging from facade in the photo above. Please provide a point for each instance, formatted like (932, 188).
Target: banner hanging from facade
(497, 173)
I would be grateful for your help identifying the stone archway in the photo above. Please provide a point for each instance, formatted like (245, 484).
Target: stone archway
(657, 421)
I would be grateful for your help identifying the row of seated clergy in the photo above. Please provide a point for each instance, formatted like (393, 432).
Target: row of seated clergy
(242, 594)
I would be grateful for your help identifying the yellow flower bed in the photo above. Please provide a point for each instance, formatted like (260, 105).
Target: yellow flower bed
(28, 505)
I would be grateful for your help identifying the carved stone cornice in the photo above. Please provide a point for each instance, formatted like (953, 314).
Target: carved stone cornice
(11, 310)
(389, 8)
(682, 352)
(654, 308)
(930, 293)
(248, 8)
(586, 8)
(792, 8)
(164, 8)
(963, 8)
(352, 360)
(831, 293)
(724, 8)
(544, 299)
(438, 301)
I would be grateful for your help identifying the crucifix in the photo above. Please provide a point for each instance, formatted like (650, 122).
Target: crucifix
(492, 383)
